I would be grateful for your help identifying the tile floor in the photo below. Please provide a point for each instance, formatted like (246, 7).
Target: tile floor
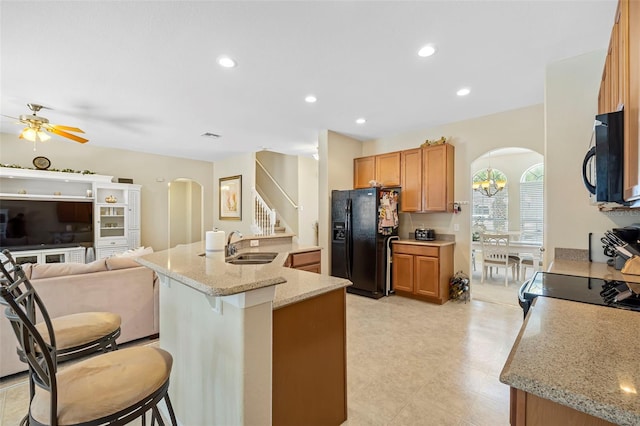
(408, 363)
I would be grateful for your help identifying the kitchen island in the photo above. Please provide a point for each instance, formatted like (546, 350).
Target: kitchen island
(575, 363)
(245, 337)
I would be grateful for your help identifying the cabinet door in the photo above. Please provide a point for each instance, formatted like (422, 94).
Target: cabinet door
(630, 19)
(427, 276)
(133, 212)
(437, 186)
(364, 170)
(388, 169)
(411, 180)
(403, 272)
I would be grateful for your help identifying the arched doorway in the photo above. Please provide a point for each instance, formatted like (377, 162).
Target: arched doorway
(515, 209)
(185, 212)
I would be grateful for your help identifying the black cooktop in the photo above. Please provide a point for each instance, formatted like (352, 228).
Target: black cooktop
(595, 291)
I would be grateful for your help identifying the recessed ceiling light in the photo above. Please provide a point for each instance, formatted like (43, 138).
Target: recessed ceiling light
(427, 50)
(361, 121)
(310, 99)
(226, 62)
(463, 92)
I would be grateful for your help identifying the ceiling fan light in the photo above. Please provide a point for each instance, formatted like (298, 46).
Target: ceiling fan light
(42, 136)
(29, 134)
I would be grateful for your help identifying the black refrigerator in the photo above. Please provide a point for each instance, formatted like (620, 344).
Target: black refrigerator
(362, 222)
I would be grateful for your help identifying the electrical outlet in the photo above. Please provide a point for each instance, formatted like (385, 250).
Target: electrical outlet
(456, 227)
(255, 243)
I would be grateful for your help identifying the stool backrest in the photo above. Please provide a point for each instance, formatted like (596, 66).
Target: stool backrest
(23, 305)
(7, 264)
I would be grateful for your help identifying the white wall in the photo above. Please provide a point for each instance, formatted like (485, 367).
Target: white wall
(335, 171)
(243, 165)
(571, 95)
(307, 200)
(153, 172)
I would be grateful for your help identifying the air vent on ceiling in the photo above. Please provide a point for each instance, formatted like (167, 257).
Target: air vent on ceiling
(210, 135)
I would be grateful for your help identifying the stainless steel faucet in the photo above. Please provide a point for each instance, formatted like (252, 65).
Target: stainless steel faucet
(231, 248)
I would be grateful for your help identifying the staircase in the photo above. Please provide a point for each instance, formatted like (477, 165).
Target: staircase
(264, 217)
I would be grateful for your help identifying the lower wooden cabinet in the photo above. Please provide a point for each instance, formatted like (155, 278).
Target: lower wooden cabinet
(309, 361)
(527, 409)
(306, 261)
(422, 271)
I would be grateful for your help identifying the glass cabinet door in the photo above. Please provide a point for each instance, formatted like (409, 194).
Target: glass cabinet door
(112, 221)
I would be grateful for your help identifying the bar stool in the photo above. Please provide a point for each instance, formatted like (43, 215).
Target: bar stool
(76, 334)
(112, 388)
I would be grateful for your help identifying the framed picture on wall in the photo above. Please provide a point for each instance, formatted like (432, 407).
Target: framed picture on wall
(231, 198)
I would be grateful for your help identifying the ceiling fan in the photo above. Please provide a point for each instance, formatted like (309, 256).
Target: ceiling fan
(36, 124)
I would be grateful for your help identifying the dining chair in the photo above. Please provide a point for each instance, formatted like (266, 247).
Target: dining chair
(112, 388)
(496, 254)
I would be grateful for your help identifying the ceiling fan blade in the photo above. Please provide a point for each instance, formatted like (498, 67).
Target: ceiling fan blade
(8, 116)
(67, 128)
(66, 135)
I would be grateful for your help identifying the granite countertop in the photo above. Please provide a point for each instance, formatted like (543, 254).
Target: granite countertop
(434, 243)
(215, 277)
(548, 358)
(593, 270)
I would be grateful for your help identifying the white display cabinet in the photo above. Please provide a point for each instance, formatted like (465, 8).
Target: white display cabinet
(116, 209)
(117, 214)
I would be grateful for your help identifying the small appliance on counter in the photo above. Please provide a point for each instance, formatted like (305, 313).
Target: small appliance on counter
(422, 234)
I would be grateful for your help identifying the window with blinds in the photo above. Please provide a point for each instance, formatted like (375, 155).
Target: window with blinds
(532, 204)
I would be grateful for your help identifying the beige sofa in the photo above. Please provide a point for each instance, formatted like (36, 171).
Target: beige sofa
(116, 284)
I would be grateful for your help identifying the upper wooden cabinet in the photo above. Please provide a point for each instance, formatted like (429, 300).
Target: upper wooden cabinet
(411, 180)
(620, 88)
(383, 168)
(364, 170)
(437, 178)
(425, 175)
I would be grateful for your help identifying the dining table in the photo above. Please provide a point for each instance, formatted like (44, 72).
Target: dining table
(518, 248)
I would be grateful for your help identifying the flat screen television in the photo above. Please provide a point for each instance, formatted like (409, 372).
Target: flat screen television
(44, 224)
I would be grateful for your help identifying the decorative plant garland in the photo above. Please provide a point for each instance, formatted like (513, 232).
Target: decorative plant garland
(16, 166)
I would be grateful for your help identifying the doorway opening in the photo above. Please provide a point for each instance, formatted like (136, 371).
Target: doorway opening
(185, 212)
(507, 200)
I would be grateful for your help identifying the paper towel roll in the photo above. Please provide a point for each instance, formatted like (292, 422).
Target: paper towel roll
(214, 242)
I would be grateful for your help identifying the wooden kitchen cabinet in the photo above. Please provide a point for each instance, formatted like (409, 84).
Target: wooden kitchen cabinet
(422, 271)
(437, 178)
(388, 169)
(306, 261)
(620, 88)
(364, 170)
(411, 180)
(383, 168)
(527, 409)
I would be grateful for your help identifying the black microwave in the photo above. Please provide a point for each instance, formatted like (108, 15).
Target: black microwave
(608, 184)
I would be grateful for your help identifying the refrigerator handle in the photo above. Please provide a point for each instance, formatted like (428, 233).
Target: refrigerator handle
(347, 252)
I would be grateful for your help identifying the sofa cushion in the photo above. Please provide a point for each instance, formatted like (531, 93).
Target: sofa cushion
(114, 263)
(49, 270)
(140, 251)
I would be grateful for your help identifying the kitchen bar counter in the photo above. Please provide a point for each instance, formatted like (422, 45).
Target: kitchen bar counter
(217, 278)
(580, 356)
(252, 339)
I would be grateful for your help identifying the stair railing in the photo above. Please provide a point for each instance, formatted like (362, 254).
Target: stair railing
(264, 217)
(277, 185)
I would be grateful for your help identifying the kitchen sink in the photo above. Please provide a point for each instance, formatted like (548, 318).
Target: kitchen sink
(253, 258)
